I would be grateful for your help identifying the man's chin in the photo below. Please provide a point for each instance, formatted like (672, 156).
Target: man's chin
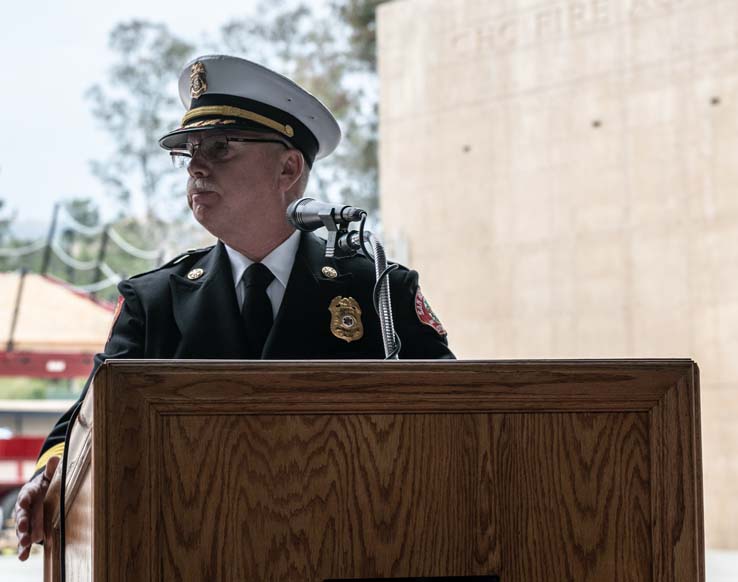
(202, 214)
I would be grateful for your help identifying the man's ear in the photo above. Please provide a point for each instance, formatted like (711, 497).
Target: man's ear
(293, 165)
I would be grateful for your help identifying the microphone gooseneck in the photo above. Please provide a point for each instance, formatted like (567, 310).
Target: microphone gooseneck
(307, 215)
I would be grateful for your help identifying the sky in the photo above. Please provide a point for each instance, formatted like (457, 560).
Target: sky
(54, 50)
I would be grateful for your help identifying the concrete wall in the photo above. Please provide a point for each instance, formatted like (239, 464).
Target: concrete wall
(564, 175)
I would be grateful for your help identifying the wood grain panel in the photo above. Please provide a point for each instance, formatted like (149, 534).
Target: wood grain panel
(79, 507)
(409, 386)
(299, 471)
(122, 445)
(79, 544)
(577, 494)
(677, 492)
(400, 495)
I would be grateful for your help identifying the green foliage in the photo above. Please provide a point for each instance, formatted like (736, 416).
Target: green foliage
(136, 106)
(8, 240)
(305, 44)
(6, 219)
(84, 211)
(137, 233)
(86, 247)
(22, 388)
(331, 52)
(360, 17)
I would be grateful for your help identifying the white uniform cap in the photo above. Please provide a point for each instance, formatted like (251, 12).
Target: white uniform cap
(222, 92)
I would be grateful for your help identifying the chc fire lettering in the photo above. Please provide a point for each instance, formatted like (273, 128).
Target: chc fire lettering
(553, 21)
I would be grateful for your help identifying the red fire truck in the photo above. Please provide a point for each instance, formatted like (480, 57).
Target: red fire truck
(23, 426)
(17, 460)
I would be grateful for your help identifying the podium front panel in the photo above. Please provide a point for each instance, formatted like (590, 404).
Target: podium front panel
(311, 471)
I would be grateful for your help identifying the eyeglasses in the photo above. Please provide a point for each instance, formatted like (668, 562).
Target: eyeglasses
(213, 149)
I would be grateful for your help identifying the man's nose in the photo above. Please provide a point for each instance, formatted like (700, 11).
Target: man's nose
(198, 167)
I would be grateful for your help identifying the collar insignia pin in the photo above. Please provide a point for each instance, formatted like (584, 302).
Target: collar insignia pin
(329, 272)
(195, 274)
(198, 83)
(346, 319)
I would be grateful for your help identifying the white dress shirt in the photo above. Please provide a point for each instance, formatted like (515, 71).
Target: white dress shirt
(279, 262)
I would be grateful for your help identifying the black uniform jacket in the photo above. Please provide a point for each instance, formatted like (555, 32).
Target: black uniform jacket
(165, 314)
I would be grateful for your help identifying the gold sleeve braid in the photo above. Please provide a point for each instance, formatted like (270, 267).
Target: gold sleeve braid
(55, 451)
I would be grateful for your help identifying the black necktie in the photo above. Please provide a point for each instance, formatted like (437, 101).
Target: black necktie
(256, 310)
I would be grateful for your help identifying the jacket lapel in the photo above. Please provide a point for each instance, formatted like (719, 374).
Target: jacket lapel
(302, 327)
(206, 310)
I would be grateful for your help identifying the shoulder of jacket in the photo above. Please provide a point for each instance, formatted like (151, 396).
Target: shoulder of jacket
(362, 266)
(186, 257)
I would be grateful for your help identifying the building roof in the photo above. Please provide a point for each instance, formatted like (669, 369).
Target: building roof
(52, 316)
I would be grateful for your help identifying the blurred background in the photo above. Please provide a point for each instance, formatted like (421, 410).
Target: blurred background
(563, 175)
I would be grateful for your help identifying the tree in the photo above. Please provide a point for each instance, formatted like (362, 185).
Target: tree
(138, 104)
(84, 211)
(359, 19)
(6, 219)
(6, 238)
(78, 245)
(329, 52)
(360, 16)
(90, 241)
(303, 43)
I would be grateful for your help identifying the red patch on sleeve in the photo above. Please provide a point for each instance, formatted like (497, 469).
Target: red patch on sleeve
(426, 315)
(116, 314)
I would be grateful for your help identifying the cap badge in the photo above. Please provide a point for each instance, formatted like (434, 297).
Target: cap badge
(198, 84)
(329, 272)
(195, 274)
(346, 319)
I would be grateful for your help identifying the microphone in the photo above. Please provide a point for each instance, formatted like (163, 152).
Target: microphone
(307, 214)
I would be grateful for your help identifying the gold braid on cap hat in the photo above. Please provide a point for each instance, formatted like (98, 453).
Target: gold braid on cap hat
(228, 111)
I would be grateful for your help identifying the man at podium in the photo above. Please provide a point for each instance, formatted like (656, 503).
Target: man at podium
(247, 141)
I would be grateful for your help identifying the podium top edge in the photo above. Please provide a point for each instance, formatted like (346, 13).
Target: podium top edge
(597, 362)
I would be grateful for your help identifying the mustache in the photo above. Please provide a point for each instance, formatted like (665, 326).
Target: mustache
(196, 185)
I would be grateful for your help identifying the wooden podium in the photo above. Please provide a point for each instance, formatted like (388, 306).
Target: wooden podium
(535, 471)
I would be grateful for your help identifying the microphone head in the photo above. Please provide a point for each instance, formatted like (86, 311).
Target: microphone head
(294, 214)
(308, 214)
